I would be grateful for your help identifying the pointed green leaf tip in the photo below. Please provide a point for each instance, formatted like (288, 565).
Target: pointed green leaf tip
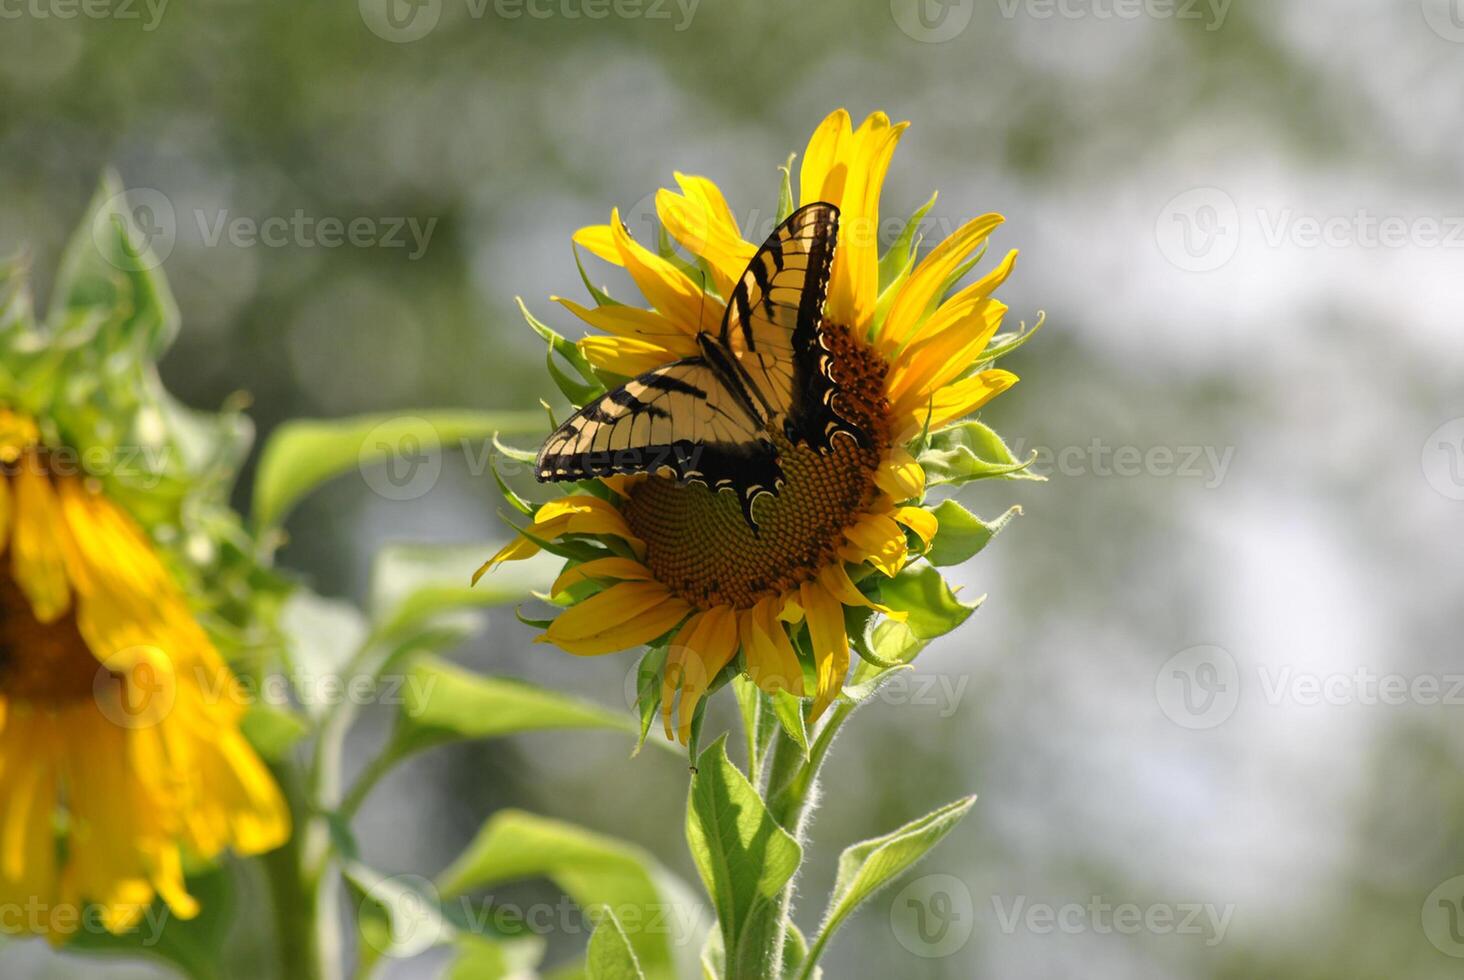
(868, 866)
(970, 451)
(744, 857)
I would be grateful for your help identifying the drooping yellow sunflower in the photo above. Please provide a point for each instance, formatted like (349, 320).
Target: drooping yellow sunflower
(120, 750)
(684, 563)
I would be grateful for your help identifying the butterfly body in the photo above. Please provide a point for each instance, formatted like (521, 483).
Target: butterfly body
(711, 418)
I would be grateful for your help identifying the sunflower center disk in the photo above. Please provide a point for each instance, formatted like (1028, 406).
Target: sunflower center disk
(700, 547)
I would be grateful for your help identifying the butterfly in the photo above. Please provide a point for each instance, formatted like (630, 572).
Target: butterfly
(709, 419)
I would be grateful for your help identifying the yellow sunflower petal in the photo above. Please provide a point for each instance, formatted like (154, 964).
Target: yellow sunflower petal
(614, 568)
(4, 512)
(878, 540)
(634, 323)
(37, 544)
(667, 287)
(599, 624)
(919, 520)
(958, 400)
(836, 580)
(829, 642)
(938, 360)
(910, 306)
(702, 223)
(900, 476)
(966, 302)
(854, 281)
(626, 356)
(771, 661)
(823, 160)
(702, 655)
(599, 241)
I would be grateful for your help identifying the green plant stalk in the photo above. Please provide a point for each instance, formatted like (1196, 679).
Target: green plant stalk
(303, 920)
(792, 788)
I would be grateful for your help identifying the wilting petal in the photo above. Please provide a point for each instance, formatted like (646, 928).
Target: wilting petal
(830, 644)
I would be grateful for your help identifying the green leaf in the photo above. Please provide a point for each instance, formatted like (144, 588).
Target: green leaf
(933, 608)
(195, 947)
(414, 585)
(597, 872)
(110, 277)
(745, 859)
(273, 731)
(868, 866)
(970, 451)
(398, 916)
(785, 191)
(1004, 344)
(895, 264)
(610, 956)
(444, 703)
(866, 683)
(789, 711)
(962, 534)
(322, 638)
(648, 691)
(600, 296)
(485, 958)
(561, 346)
(303, 454)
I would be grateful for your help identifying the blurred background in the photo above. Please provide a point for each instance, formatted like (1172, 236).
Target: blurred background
(1213, 703)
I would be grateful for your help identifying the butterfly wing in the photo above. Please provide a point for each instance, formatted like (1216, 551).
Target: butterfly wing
(679, 420)
(771, 325)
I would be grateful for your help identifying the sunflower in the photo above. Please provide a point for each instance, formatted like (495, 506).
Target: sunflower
(118, 751)
(678, 564)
